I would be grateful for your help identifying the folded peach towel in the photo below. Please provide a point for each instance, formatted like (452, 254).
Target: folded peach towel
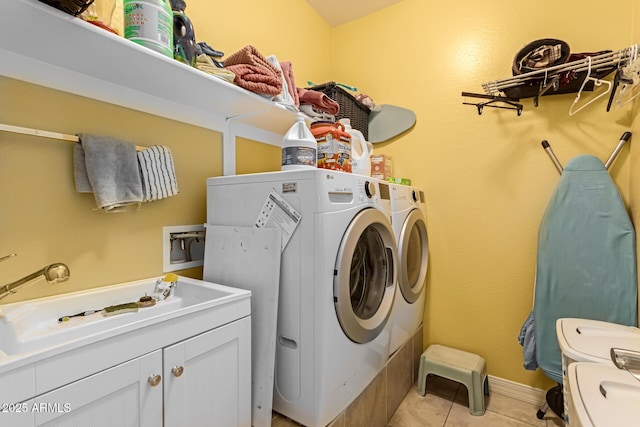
(254, 72)
(319, 100)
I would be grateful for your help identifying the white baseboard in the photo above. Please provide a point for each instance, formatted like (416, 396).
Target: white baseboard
(515, 390)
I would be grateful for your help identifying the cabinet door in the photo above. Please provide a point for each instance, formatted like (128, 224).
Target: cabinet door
(122, 396)
(208, 378)
(17, 414)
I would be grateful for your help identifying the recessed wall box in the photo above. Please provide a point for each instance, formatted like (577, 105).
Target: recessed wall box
(183, 247)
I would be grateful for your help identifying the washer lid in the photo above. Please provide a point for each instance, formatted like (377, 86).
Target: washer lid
(585, 340)
(603, 395)
(365, 276)
(413, 256)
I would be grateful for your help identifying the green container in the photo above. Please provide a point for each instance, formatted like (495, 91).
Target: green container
(149, 23)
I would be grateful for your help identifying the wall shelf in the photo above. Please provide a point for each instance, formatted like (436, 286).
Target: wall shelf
(42, 45)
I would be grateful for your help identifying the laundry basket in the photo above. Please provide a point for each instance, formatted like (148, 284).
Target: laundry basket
(350, 108)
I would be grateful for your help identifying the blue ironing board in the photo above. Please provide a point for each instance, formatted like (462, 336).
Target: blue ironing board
(586, 264)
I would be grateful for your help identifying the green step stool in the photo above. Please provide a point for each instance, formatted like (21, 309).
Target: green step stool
(456, 365)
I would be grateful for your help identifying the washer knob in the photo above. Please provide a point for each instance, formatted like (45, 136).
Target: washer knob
(369, 189)
(414, 195)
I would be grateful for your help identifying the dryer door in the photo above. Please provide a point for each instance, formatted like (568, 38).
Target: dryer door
(365, 275)
(413, 256)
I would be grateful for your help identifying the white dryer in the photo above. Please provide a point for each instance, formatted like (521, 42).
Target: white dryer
(408, 210)
(337, 283)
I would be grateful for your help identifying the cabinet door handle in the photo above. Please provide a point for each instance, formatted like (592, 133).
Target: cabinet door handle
(154, 380)
(177, 371)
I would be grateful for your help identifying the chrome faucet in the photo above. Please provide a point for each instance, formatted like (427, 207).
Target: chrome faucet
(53, 273)
(626, 359)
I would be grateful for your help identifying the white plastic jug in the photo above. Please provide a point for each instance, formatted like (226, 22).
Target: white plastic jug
(361, 150)
(299, 147)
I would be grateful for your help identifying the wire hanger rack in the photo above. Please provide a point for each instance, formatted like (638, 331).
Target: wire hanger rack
(546, 76)
(586, 73)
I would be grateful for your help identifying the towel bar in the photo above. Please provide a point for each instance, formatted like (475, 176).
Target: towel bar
(46, 134)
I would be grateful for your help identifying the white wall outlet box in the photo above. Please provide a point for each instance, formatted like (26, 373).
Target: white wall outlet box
(183, 247)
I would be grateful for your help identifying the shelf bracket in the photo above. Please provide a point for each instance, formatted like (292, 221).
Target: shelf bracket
(229, 142)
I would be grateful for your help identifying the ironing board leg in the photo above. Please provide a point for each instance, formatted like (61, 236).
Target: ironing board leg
(543, 410)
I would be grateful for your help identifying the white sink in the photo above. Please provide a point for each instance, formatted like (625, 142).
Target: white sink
(33, 325)
(602, 395)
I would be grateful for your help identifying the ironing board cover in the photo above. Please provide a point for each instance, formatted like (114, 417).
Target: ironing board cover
(586, 264)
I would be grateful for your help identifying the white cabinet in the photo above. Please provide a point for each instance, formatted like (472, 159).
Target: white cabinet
(125, 395)
(205, 378)
(119, 396)
(202, 381)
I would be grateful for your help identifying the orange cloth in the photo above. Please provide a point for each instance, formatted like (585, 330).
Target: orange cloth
(254, 72)
(319, 100)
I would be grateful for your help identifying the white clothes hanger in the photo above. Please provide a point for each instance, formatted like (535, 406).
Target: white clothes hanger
(597, 83)
(631, 74)
(635, 92)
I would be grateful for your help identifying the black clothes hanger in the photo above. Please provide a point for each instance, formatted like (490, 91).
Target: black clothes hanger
(493, 101)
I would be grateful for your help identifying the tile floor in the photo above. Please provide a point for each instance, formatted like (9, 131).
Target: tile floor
(446, 405)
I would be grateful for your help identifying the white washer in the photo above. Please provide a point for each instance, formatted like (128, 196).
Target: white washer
(586, 340)
(337, 283)
(410, 229)
(603, 396)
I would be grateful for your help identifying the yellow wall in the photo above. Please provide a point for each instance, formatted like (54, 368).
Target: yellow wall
(290, 29)
(44, 220)
(634, 150)
(486, 178)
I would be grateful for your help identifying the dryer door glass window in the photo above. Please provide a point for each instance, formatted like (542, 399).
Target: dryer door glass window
(365, 276)
(413, 253)
(369, 272)
(414, 257)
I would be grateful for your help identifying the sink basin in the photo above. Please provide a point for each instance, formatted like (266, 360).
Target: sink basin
(33, 325)
(602, 395)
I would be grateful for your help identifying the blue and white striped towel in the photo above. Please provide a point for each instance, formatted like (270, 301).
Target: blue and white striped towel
(157, 173)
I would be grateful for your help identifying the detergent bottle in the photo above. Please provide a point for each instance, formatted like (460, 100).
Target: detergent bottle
(149, 23)
(361, 150)
(334, 145)
(299, 147)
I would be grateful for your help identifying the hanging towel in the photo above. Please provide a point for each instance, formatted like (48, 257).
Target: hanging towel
(157, 173)
(108, 168)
